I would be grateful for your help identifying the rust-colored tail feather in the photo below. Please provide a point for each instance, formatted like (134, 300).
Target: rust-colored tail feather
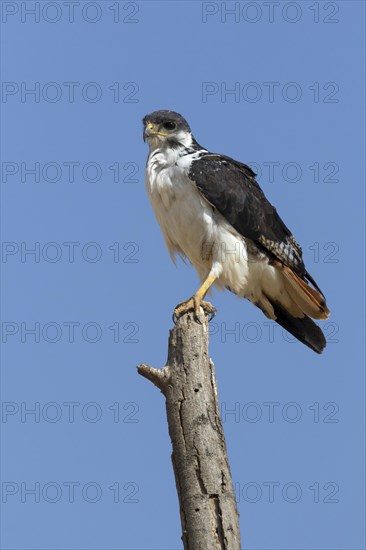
(310, 300)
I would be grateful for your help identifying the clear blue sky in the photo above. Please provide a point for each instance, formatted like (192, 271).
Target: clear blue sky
(96, 451)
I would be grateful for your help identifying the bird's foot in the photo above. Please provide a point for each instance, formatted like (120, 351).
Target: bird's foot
(194, 304)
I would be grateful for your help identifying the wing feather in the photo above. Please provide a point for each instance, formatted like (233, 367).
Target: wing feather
(231, 187)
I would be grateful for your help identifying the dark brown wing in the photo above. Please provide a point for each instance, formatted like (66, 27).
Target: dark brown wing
(231, 187)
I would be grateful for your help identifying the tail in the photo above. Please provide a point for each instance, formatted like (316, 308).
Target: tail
(298, 304)
(310, 300)
(303, 328)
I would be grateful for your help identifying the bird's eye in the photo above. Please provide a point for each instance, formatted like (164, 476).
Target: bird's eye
(169, 125)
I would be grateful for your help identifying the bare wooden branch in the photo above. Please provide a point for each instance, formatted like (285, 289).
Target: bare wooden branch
(208, 510)
(159, 377)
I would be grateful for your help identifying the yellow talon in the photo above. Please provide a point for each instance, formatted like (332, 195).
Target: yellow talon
(194, 304)
(197, 301)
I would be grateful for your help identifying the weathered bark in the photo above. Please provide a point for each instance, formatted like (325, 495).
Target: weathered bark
(209, 515)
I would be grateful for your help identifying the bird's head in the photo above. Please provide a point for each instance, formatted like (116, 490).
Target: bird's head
(167, 129)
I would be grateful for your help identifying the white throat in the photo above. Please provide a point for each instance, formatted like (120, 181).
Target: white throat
(184, 139)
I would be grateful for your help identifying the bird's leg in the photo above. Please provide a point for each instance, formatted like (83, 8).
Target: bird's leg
(197, 301)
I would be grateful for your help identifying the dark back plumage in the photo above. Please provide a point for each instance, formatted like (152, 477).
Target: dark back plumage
(232, 188)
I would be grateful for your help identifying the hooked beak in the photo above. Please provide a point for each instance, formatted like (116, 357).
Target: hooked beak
(151, 131)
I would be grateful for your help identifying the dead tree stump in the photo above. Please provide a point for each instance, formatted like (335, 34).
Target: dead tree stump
(208, 511)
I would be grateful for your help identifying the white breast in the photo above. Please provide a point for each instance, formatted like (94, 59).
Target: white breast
(185, 217)
(196, 230)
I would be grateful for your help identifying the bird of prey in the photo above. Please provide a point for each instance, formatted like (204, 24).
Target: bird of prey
(212, 211)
